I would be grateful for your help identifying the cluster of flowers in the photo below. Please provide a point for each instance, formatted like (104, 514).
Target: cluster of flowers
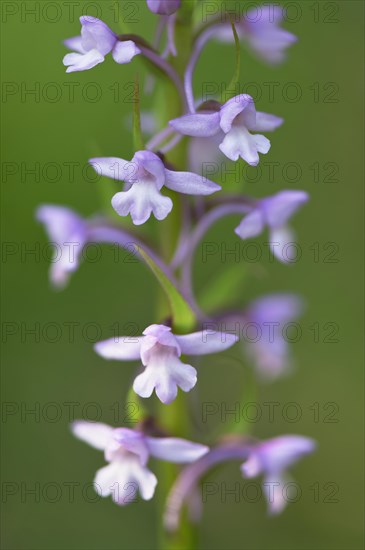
(229, 129)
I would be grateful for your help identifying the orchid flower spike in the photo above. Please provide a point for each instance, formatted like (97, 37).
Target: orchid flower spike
(232, 123)
(274, 212)
(160, 351)
(69, 233)
(95, 42)
(270, 314)
(260, 29)
(271, 458)
(145, 175)
(164, 7)
(127, 452)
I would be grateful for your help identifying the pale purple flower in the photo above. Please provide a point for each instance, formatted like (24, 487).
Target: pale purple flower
(145, 175)
(260, 29)
(271, 458)
(95, 42)
(68, 232)
(232, 124)
(269, 351)
(274, 212)
(164, 7)
(160, 351)
(127, 452)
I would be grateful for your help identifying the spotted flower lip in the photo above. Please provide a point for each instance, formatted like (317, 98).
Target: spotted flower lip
(164, 7)
(260, 29)
(271, 458)
(159, 351)
(128, 452)
(145, 175)
(274, 212)
(233, 123)
(94, 43)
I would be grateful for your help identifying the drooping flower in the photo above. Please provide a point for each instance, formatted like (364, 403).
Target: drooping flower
(274, 212)
(145, 175)
(95, 42)
(164, 7)
(160, 351)
(232, 123)
(260, 29)
(68, 232)
(127, 452)
(269, 351)
(271, 458)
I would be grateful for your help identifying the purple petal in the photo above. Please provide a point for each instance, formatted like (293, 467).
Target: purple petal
(96, 35)
(276, 308)
(234, 107)
(251, 225)
(280, 207)
(115, 168)
(61, 223)
(74, 44)
(173, 449)
(197, 125)
(266, 122)
(121, 348)
(123, 52)
(152, 164)
(164, 7)
(95, 434)
(205, 342)
(133, 441)
(189, 183)
(281, 239)
(82, 62)
(274, 456)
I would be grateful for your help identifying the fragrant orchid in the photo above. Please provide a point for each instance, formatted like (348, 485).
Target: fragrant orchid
(228, 128)
(271, 458)
(274, 212)
(260, 29)
(145, 175)
(160, 351)
(127, 452)
(95, 42)
(232, 123)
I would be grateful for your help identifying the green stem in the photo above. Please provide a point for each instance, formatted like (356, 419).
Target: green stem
(174, 417)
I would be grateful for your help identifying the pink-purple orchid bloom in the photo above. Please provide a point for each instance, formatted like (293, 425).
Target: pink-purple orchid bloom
(144, 177)
(94, 43)
(159, 351)
(274, 212)
(127, 452)
(270, 314)
(271, 459)
(68, 232)
(260, 29)
(232, 123)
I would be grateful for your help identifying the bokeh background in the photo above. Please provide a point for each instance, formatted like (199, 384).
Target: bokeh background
(67, 120)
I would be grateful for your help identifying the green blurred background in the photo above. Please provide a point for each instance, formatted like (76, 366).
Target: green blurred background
(323, 126)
